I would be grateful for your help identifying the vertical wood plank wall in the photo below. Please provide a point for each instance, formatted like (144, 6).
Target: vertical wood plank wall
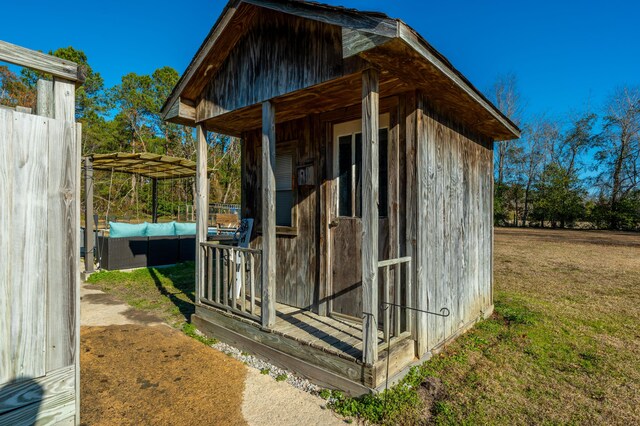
(39, 231)
(280, 53)
(202, 208)
(444, 223)
(454, 224)
(296, 255)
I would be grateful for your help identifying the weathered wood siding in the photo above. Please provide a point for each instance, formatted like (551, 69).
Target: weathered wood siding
(39, 227)
(441, 178)
(296, 251)
(454, 224)
(280, 53)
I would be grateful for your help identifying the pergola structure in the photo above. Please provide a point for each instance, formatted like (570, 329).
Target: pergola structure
(153, 166)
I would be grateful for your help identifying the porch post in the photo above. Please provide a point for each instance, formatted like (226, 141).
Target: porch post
(154, 200)
(268, 215)
(89, 237)
(370, 112)
(202, 208)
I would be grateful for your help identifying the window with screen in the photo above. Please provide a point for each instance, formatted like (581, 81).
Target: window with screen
(349, 153)
(284, 188)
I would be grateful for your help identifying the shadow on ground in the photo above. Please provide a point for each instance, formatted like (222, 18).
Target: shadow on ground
(187, 308)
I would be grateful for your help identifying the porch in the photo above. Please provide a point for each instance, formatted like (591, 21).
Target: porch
(329, 350)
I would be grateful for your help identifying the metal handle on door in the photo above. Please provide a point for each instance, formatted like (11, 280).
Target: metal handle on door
(333, 224)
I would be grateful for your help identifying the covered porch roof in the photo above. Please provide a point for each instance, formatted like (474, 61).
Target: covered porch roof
(405, 61)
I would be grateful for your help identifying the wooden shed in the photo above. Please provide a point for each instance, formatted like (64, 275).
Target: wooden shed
(367, 166)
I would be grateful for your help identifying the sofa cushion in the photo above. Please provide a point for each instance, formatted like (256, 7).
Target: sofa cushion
(185, 228)
(161, 229)
(123, 230)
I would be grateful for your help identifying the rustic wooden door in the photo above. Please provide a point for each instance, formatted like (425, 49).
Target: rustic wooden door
(345, 223)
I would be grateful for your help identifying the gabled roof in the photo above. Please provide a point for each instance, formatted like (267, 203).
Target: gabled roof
(365, 32)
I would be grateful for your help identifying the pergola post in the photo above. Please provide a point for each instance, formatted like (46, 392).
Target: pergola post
(202, 208)
(154, 200)
(268, 215)
(89, 237)
(370, 147)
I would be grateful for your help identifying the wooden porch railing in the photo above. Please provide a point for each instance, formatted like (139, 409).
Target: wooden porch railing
(233, 279)
(396, 297)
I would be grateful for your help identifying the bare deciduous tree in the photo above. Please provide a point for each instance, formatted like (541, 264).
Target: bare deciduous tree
(619, 154)
(506, 96)
(540, 137)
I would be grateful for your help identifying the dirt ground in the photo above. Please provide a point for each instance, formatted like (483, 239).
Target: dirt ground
(136, 370)
(140, 375)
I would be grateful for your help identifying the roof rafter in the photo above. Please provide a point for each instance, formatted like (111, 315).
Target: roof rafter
(154, 166)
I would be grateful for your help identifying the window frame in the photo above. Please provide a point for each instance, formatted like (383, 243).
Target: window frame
(287, 147)
(351, 128)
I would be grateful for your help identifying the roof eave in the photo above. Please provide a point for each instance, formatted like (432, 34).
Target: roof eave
(435, 58)
(369, 22)
(227, 13)
(379, 29)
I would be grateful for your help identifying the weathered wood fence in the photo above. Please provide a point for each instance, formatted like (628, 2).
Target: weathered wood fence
(39, 234)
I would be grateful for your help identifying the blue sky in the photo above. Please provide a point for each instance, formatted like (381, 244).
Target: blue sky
(566, 55)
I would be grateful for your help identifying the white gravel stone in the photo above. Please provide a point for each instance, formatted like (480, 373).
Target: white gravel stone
(268, 368)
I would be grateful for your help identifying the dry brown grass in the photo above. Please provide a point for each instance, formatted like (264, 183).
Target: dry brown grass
(564, 346)
(138, 375)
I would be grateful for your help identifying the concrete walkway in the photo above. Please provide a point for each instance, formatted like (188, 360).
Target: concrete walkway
(100, 309)
(265, 401)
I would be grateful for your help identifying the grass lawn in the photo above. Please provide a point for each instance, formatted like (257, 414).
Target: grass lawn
(563, 346)
(167, 292)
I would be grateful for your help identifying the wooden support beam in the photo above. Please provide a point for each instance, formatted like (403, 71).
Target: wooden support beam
(89, 237)
(202, 208)
(355, 41)
(39, 61)
(181, 112)
(372, 24)
(154, 200)
(424, 223)
(370, 148)
(410, 205)
(268, 214)
(44, 107)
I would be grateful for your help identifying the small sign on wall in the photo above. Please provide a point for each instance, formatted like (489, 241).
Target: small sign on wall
(306, 175)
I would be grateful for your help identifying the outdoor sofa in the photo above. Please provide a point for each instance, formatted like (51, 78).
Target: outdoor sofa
(146, 244)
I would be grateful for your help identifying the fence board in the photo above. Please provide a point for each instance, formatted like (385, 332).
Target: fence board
(64, 100)
(61, 238)
(49, 399)
(6, 195)
(28, 257)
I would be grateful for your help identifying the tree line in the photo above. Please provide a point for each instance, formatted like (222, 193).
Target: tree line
(126, 118)
(577, 170)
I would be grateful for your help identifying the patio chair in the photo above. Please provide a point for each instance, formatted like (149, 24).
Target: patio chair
(241, 238)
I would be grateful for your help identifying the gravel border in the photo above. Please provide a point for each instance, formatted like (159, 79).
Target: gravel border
(265, 367)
